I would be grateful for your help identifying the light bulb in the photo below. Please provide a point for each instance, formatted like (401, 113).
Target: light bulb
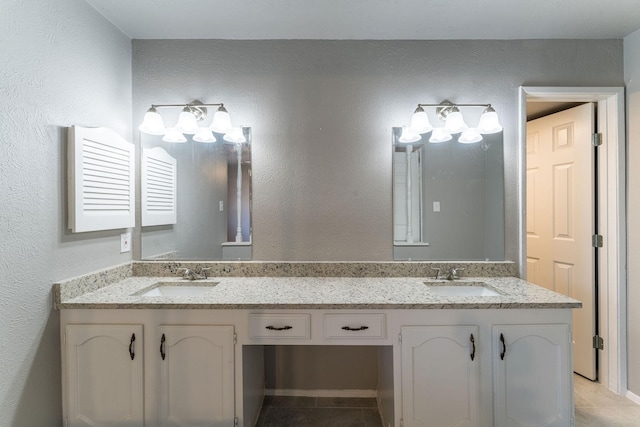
(454, 121)
(420, 121)
(187, 122)
(173, 135)
(235, 136)
(470, 136)
(489, 122)
(409, 135)
(152, 123)
(221, 121)
(204, 135)
(440, 135)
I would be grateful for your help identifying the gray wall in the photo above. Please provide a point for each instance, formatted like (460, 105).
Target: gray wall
(322, 113)
(62, 65)
(632, 79)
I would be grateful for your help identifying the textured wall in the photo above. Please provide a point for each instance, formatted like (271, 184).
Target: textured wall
(632, 80)
(62, 64)
(322, 112)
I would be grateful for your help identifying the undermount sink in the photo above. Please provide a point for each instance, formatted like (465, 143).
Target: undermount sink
(468, 289)
(174, 289)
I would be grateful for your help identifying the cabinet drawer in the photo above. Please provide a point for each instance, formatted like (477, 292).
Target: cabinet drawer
(280, 326)
(354, 326)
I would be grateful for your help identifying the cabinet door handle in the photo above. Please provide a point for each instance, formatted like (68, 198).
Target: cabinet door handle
(162, 353)
(131, 348)
(504, 347)
(361, 328)
(473, 343)
(274, 328)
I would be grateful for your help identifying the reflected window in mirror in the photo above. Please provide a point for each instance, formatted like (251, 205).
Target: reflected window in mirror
(212, 201)
(448, 198)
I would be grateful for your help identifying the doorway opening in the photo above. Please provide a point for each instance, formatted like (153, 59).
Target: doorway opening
(609, 265)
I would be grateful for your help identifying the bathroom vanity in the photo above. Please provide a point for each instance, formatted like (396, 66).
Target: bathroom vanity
(142, 349)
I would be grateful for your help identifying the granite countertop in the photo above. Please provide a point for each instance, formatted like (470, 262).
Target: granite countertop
(315, 293)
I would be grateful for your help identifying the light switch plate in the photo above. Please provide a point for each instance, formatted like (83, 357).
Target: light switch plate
(436, 206)
(125, 242)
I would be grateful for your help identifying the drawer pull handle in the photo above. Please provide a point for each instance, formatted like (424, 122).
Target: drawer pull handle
(132, 353)
(349, 328)
(274, 328)
(162, 353)
(504, 347)
(473, 343)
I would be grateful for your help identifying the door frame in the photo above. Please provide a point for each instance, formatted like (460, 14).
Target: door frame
(612, 259)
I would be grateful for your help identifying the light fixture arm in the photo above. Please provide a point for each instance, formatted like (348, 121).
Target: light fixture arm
(197, 108)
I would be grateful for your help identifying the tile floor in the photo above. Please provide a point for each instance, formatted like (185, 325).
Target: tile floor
(285, 411)
(595, 407)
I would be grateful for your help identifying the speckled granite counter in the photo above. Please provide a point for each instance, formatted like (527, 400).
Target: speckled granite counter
(300, 293)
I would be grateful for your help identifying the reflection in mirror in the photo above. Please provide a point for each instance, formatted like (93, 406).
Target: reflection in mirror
(448, 199)
(212, 202)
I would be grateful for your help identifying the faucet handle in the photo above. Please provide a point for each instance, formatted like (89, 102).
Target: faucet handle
(185, 272)
(437, 270)
(203, 272)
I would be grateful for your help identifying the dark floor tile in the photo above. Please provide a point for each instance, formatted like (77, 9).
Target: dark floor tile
(372, 417)
(290, 417)
(292, 401)
(346, 402)
(338, 417)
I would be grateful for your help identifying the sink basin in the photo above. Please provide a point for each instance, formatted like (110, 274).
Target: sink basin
(468, 289)
(174, 289)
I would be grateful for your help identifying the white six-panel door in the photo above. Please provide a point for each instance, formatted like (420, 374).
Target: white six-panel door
(560, 217)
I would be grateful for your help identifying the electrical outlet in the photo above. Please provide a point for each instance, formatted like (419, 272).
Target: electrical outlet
(436, 206)
(221, 205)
(125, 242)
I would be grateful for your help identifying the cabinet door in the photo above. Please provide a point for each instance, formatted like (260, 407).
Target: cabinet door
(104, 375)
(532, 375)
(439, 376)
(196, 376)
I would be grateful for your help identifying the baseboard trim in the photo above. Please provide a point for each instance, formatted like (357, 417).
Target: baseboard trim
(634, 397)
(320, 393)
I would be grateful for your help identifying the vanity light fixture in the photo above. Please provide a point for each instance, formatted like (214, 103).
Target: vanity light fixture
(187, 123)
(454, 123)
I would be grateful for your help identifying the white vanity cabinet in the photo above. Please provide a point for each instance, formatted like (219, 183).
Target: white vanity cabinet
(532, 375)
(175, 375)
(195, 372)
(104, 375)
(440, 376)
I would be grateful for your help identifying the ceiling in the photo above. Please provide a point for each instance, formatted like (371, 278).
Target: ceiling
(372, 19)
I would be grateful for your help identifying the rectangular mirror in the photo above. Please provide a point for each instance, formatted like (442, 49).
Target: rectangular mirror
(211, 199)
(448, 199)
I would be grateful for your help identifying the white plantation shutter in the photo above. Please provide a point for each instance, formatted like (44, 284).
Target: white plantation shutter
(159, 184)
(101, 176)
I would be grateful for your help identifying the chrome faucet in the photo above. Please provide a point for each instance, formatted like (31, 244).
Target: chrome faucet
(189, 274)
(453, 273)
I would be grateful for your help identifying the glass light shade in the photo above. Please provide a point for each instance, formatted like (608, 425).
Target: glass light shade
(173, 135)
(235, 136)
(204, 135)
(221, 121)
(470, 136)
(455, 122)
(152, 123)
(420, 122)
(409, 135)
(489, 122)
(187, 122)
(440, 135)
